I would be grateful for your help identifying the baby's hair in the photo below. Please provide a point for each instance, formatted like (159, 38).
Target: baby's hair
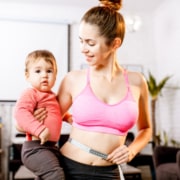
(40, 54)
(106, 17)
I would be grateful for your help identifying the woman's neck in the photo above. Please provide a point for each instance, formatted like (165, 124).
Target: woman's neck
(108, 71)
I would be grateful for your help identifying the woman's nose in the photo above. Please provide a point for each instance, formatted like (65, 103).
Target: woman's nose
(84, 48)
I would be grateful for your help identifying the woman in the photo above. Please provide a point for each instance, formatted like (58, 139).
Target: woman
(106, 101)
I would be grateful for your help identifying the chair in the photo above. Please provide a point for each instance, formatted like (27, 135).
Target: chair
(167, 162)
(141, 159)
(14, 159)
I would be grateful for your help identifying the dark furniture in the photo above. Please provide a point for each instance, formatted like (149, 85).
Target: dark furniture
(141, 159)
(1, 151)
(167, 163)
(14, 159)
(14, 156)
(144, 160)
(131, 173)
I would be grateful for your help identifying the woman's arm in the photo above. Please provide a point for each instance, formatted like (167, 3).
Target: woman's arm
(18, 128)
(123, 153)
(64, 94)
(144, 122)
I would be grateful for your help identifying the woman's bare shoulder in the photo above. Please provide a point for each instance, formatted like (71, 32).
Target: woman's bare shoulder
(76, 72)
(136, 78)
(75, 75)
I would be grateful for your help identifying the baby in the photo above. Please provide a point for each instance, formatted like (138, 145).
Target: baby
(39, 152)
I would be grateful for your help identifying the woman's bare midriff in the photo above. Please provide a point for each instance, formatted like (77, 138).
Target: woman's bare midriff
(101, 142)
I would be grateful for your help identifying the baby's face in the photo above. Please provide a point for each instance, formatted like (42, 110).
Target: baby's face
(41, 75)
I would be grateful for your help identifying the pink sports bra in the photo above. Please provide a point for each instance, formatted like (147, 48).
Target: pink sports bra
(91, 114)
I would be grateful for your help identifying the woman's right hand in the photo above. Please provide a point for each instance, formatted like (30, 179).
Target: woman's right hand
(40, 114)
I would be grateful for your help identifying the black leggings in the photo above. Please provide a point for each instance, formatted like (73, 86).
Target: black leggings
(78, 171)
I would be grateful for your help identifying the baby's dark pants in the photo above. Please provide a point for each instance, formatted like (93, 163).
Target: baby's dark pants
(43, 160)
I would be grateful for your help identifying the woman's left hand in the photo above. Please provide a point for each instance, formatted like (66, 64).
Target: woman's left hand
(40, 114)
(119, 155)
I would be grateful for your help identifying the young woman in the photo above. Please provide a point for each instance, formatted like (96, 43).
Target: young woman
(106, 101)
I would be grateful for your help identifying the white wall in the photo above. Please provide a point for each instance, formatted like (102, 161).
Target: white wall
(167, 45)
(23, 29)
(18, 38)
(167, 39)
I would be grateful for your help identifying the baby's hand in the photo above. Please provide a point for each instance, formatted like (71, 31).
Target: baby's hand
(44, 136)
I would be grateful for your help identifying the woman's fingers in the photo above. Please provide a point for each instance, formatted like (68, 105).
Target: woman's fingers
(40, 114)
(119, 155)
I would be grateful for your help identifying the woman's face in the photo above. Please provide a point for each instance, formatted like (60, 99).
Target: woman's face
(93, 46)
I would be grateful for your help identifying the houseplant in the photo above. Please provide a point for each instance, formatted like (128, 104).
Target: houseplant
(155, 91)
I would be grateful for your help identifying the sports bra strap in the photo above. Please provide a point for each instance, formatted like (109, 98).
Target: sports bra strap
(88, 76)
(126, 78)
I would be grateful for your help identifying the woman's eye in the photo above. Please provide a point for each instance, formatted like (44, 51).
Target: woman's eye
(91, 44)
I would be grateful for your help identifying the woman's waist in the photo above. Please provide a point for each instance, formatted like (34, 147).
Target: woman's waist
(90, 148)
(97, 140)
(74, 153)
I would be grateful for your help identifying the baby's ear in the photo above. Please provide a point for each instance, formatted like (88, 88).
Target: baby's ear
(26, 75)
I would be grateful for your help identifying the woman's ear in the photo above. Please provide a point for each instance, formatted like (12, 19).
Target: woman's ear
(116, 43)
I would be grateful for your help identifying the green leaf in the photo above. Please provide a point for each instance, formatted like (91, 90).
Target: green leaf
(163, 82)
(153, 87)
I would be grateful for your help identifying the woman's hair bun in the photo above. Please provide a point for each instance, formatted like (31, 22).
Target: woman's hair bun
(113, 4)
